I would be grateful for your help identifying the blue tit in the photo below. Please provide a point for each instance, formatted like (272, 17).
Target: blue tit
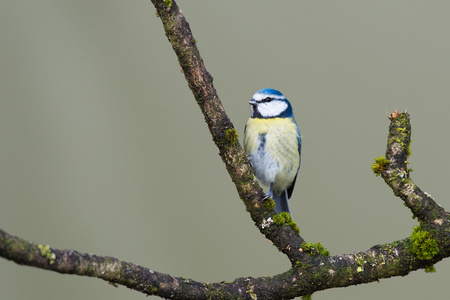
(273, 145)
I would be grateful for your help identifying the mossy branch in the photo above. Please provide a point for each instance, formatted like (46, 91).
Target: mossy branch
(395, 172)
(200, 82)
(177, 29)
(107, 268)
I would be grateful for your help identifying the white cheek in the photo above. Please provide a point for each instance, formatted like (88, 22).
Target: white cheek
(272, 109)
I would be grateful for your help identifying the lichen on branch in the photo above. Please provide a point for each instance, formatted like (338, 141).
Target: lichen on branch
(393, 168)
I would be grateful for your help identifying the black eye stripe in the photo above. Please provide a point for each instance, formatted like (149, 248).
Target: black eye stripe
(267, 99)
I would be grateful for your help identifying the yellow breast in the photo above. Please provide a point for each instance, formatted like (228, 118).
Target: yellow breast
(278, 159)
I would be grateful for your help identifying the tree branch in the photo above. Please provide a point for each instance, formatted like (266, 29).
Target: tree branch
(107, 268)
(397, 175)
(178, 31)
(312, 270)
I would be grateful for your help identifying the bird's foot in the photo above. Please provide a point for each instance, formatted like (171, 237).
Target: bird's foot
(268, 195)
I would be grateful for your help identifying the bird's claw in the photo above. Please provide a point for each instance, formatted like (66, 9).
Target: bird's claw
(268, 195)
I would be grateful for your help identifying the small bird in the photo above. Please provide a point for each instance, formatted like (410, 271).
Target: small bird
(273, 145)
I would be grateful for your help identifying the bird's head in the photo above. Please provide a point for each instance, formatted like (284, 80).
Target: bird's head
(270, 103)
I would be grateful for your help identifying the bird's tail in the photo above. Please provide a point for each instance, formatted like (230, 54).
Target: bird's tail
(281, 202)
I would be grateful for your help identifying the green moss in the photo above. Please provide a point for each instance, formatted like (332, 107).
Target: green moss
(403, 133)
(168, 3)
(251, 292)
(285, 218)
(301, 265)
(379, 165)
(315, 249)
(430, 269)
(307, 297)
(47, 253)
(279, 219)
(390, 247)
(423, 245)
(408, 149)
(268, 203)
(396, 139)
(361, 261)
(232, 136)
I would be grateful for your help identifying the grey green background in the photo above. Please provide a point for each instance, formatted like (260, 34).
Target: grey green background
(104, 150)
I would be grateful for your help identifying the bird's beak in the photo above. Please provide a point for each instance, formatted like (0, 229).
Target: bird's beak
(252, 102)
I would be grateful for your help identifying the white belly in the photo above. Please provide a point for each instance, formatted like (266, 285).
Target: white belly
(273, 151)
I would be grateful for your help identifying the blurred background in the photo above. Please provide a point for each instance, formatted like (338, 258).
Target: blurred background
(104, 150)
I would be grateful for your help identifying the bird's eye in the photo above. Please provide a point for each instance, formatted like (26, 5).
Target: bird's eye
(267, 99)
